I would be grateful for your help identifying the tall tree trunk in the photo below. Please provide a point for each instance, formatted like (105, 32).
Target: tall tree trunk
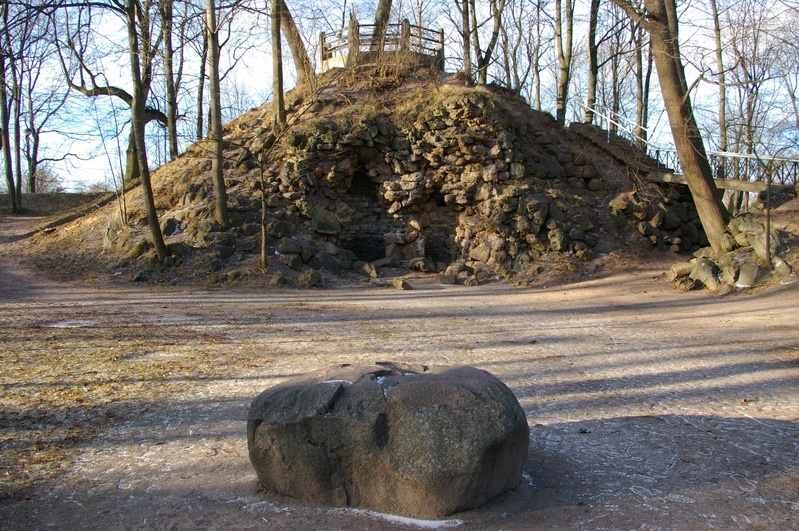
(132, 170)
(302, 63)
(201, 90)
(563, 45)
(484, 58)
(5, 120)
(31, 144)
(17, 96)
(278, 103)
(169, 75)
(382, 14)
(217, 160)
(642, 78)
(137, 125)
(5, 142)
(593, 62)
(661, 24)
(466, 32)
(537, 56)
(722, 84)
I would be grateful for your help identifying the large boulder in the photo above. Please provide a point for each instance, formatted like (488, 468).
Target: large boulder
(417, 441)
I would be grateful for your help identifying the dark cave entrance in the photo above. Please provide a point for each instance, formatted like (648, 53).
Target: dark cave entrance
(440, 243)
(364, 234)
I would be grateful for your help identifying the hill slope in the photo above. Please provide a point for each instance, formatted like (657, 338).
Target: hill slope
(389, 167)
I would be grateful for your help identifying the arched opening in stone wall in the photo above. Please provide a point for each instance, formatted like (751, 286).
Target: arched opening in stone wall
(364, 234)
(440, 243)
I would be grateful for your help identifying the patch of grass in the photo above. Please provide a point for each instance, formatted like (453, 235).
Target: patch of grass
(62, 386)
(48, 204)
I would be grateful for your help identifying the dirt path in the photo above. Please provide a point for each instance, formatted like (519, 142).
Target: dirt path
(648, 408)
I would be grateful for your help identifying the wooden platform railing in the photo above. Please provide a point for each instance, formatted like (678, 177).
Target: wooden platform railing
(346, 47)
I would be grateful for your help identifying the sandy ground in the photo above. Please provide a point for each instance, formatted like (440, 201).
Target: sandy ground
(648, 408)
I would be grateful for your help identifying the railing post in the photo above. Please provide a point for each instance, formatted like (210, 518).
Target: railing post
(405, 35)
(322, 49)
(354, 38)
(440, 50)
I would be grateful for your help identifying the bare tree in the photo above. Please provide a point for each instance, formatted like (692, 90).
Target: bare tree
(466, 35)
(217, 161)
(40, 100)
(382, 15)
(75, 50)
(278, 104)
(299, 53)
(471, 28)
(593, 61)
(172, 77)
(141, 52)
(612, 42)
(659, 19)
(5, 119)
(643, 76)
(201, 43)
(564, 29)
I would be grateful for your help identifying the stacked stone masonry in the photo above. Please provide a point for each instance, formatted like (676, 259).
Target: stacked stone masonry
(473, 177)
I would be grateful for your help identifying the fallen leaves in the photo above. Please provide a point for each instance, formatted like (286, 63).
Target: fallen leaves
(61, 390)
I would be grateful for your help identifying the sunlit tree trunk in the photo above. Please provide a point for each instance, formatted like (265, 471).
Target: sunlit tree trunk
(661, 24)
(299, 54)
(137, 125)
(382, 15)
(466, 33)
(5, 143)
(593, 62)
(217, 160)
(201, 89)
(165, 10)
(564, 27)
(278, 103)
(643, 75)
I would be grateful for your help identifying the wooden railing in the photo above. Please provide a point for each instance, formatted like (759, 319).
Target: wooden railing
(737, 167)
(346, 47)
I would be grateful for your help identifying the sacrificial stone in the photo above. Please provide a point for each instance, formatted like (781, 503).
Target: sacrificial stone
(423, 442)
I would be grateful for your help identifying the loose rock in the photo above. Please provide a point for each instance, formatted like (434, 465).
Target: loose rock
(418, 441)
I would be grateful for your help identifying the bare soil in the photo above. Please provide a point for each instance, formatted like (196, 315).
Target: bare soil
(123, 406)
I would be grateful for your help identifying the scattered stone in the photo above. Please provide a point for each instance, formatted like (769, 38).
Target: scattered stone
(781, 267)
(220, 251)
(366, 268)
(179, 249)
(687, 284)
(139, 249)
(423, 442)
(170, 226)
(383, 262)
(749, 275)
(401, 284)
(679, 270)
(705, 272)
(310, 278)
(325, 261)
(279, 280)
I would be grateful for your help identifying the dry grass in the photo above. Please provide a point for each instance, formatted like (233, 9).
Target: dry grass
(47, 204)
(64, 384)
